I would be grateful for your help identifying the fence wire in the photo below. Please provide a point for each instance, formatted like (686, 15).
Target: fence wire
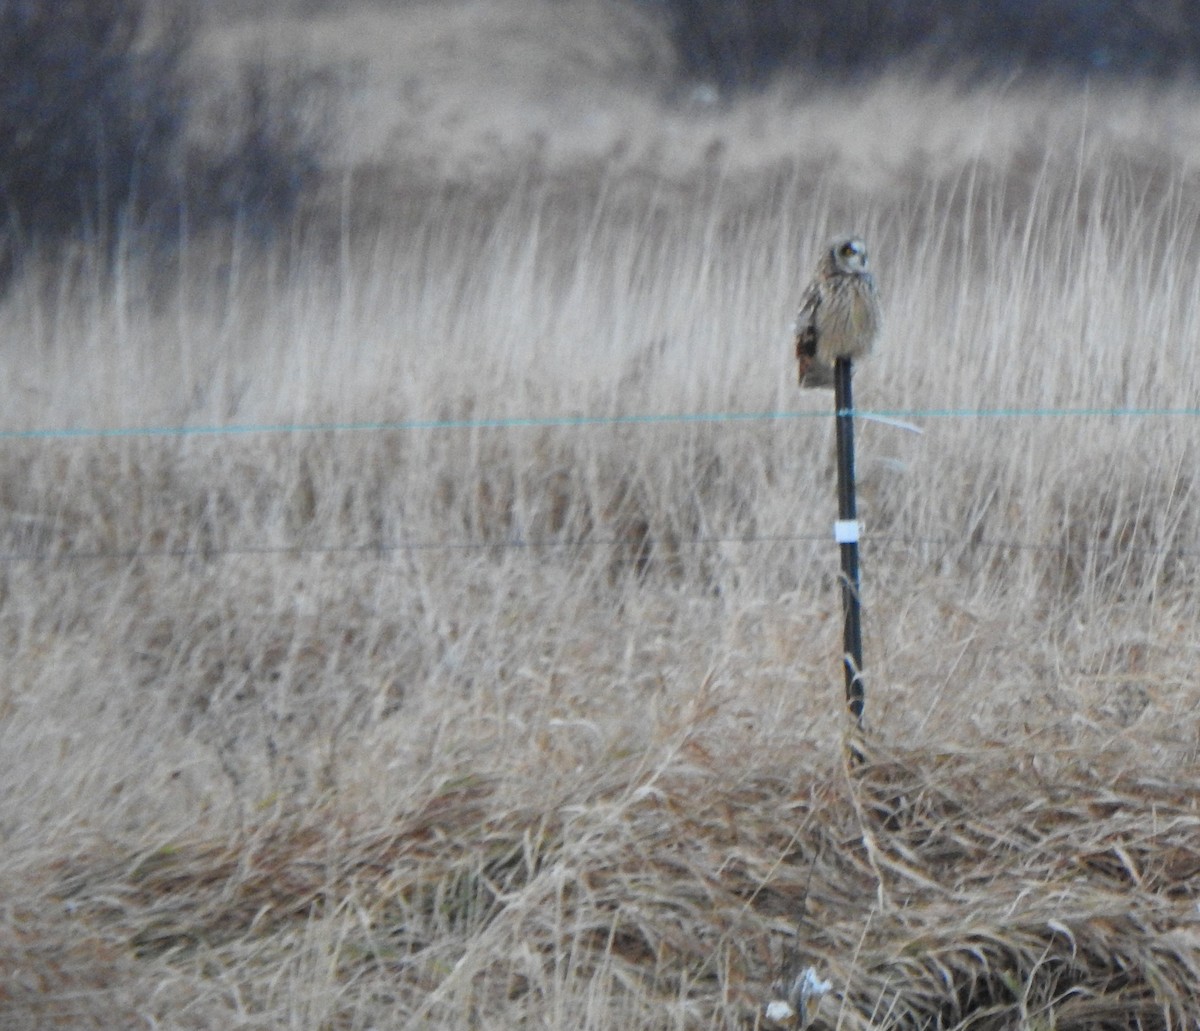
(538, 422)
(385, 548)
(903, 417)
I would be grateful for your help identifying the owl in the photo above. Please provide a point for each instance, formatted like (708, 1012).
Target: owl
(839, 315)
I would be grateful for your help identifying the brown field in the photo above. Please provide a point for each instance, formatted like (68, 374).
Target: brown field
(541, 725)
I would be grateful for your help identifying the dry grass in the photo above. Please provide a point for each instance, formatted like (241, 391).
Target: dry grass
(992, 888)
(541, 726)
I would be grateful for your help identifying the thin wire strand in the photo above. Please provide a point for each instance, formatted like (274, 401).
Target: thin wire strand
(381, 549)
(540, 422)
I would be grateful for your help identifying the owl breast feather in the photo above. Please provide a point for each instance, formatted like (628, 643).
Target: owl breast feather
(849, 322)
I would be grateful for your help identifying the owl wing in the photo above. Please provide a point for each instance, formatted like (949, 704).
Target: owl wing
(811, 371)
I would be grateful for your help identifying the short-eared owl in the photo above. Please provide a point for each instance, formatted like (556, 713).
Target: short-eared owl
(839, 315)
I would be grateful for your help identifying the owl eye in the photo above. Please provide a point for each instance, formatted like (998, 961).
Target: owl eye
(847, 249)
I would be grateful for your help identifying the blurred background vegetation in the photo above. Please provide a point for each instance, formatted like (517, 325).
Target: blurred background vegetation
(103, 106)
(100, 112)
(742, 43)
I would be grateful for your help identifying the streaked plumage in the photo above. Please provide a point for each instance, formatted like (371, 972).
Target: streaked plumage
(839, 314)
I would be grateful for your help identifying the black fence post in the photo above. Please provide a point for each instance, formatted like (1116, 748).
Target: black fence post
(846, 534)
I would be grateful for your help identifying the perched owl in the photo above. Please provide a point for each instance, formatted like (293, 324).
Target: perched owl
(839, 315)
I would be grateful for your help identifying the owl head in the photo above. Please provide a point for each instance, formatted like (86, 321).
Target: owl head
(848, 254)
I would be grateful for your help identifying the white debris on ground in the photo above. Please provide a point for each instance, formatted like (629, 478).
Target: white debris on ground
(795, 1011)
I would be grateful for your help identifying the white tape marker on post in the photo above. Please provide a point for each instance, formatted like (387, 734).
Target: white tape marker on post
(845, 531)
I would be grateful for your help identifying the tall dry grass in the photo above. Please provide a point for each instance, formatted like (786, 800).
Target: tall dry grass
(541, 725)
